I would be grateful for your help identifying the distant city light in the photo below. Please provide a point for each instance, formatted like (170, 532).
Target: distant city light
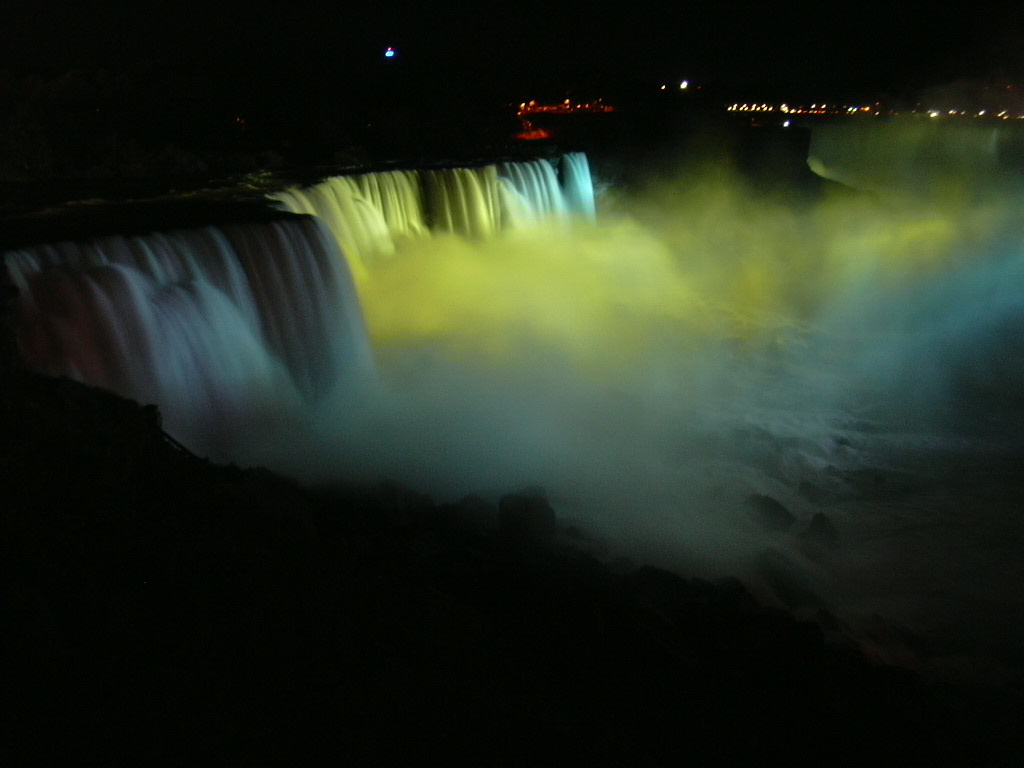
(390, 53)
(684, 85)
(567, 107)
(875, 109)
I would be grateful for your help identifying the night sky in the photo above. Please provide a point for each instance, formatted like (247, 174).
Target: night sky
(101, 85)
(769, 46)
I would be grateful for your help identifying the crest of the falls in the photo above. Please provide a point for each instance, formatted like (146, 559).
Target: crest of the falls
(358, 227)
(533, 193)
(396, 195)
(578, 184)
(369, 213)
(365, 213)
(464, 201)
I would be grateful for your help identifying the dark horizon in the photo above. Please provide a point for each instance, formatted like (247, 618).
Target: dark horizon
(261, 49)
(186, 89)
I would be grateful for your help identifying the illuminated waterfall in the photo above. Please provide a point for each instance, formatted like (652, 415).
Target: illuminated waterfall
(578, 184)
(534, 188)
(211, 323)
(207, 323)
(368, 212)
(464, 201)
(396, 195)
(357, 226)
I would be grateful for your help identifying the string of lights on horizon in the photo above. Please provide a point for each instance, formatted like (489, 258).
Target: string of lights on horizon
(874, 109)
(754, 108)
(568, 106)
(599, 106)
(565, 107)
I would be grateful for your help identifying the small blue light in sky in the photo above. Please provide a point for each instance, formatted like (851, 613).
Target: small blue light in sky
(390, 53)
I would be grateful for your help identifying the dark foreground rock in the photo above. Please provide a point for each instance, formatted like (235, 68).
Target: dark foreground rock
(159, 609)
(770, 513)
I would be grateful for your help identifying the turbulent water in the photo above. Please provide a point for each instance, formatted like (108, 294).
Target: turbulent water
(651, 359)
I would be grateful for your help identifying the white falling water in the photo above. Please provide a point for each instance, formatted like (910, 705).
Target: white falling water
(534, 193)
(398, 198)
(215, 324)
(209, 323)
(368, 213)
(578, 184)
(463, 201)
(357, 226)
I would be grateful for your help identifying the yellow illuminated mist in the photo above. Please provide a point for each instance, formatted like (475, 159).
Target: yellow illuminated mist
(681, 263)
(589, 294)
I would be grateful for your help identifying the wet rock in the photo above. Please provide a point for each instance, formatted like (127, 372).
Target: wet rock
(622, 565)
(733, 595)
(890, 642)
(881, 483)
(153, 576)
(473, 514)
(574, 534)
(526, 516)
(770, 514)
(826, 620)
(663, 591)
(9, 358)
(818, 493)
(821, 532)
(790, 583)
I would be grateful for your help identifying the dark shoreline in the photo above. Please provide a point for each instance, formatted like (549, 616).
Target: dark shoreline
(162, 609)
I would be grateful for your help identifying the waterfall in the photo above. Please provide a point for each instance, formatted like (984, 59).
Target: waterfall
(367, 213)
(203, 322)
(464, 201)
(578, 184)
(397, 196)
(209, 322)
(356, 225)
(534, 186)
